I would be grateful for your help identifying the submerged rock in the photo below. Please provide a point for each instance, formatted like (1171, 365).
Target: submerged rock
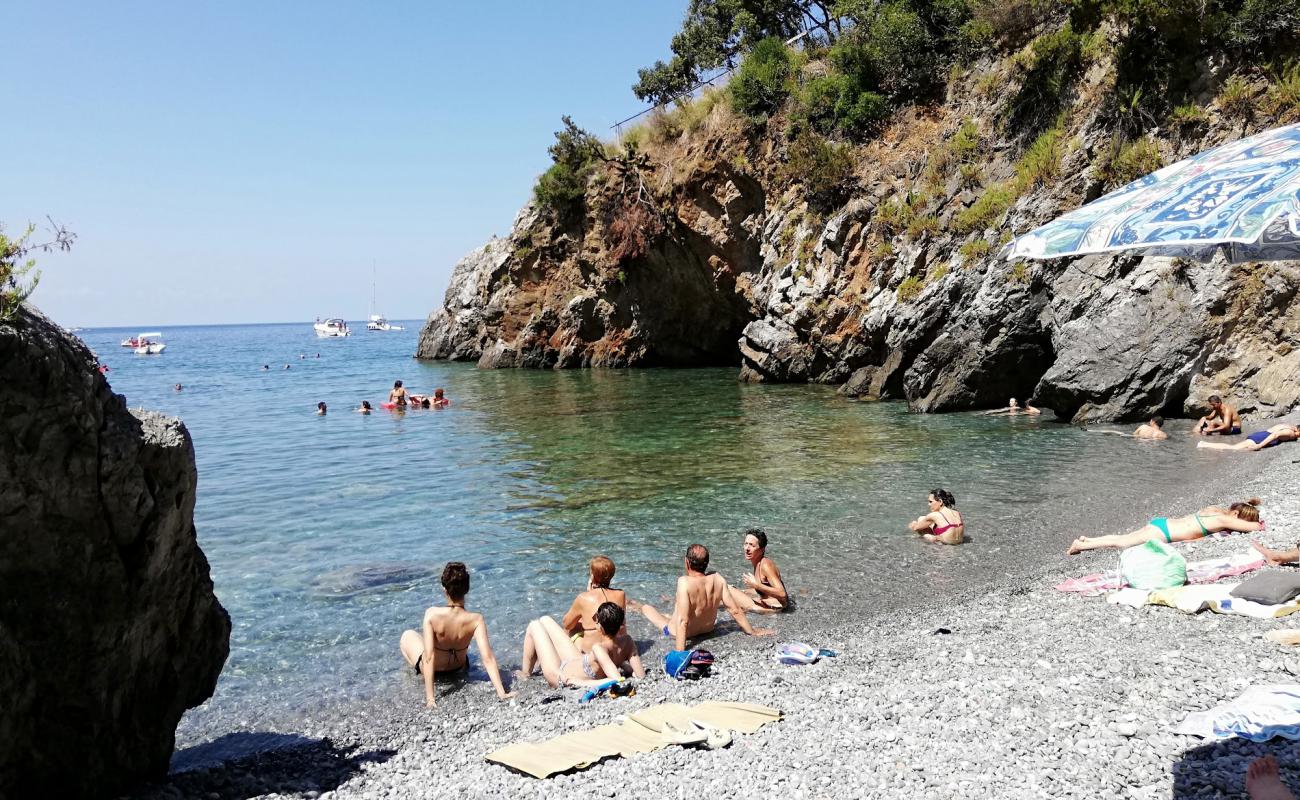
(109, 628)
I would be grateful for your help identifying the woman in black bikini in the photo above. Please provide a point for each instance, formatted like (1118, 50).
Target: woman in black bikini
(944, 523)
(580, 619)
(443, 641)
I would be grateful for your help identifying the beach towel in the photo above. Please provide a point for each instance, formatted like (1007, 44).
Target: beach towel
(1259, 714)
(1191, 599)
(1205, 571)
(639, 733)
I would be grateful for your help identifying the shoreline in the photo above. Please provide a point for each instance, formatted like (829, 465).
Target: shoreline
(1033, 691)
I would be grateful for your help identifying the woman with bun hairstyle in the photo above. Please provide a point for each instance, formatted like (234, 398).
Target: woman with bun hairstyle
(944, 523)
(1243, 517)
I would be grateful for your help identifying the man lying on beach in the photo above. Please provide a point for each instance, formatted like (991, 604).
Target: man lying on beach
(699, 595)
(1275, 557)
(1223, 419)
(1153, 428)
(764, 591)
(613, 653)
(1014, 408)
(1242, 517)
(1284, 432)
(443, 642)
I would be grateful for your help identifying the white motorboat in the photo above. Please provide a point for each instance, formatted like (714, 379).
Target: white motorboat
(378, 323)
(332, 327)
(149, 344)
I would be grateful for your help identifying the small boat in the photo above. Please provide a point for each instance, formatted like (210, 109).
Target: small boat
(378, 323)
(132, 342)
(332, 327)
(149, 344)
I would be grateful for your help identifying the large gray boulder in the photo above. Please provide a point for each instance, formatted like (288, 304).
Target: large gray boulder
(109, 628)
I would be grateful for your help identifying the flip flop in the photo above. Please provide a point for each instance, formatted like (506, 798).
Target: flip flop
(715, 738)
(671, 734)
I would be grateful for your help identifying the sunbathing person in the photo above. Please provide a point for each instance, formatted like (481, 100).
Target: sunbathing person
(695, 610)
(1264, 782)
(443, 641)
(1151, 429)
(944, 523)
(1283, 432)
(1275, 557)
(1243, 517)
(613, 653)
(764, 591)
(1223, 419)
(580, 620)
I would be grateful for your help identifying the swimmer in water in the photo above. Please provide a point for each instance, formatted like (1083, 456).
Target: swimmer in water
(439, 401)
(365, 407)
(1284, 432)
(944, 523)
(1241, 517)
(286, 366)
(266, 367)
(179, 387)
(1153, 428)
(1014, 408)
(398, 395)
(320, 409)
(764, 591)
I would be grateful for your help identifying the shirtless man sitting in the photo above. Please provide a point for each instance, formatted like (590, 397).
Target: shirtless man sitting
(1152, 429)
(699, 595)
(764, 591)
(1223, 419)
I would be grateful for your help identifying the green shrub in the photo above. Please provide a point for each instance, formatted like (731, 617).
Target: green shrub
(763, 81)
(894, 215)
(1019, 273)
(1282, 100)
(1042, 161)
(891, 51)
(971, 175)
(974, 250)
(1266, 26)
(925, 223)
(985, 212)
(1188, 117)
(834, 102)
(884, 250)
(575, 153)
(824, 168)
(910, 288)
(966, 142)
(938, 273)
(1236, 98)
(975, 38)
(1054, 64)
(1125, 163)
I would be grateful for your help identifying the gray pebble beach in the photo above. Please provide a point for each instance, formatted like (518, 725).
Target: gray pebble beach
(1031, 693)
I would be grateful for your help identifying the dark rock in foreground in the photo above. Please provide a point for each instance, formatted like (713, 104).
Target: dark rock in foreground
(109, 629)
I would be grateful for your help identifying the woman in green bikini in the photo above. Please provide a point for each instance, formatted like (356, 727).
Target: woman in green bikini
(1236, 517)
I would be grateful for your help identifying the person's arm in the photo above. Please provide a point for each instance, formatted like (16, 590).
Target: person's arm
(634, 660)
(738, 615)
(607, 665)
(922, 524)
(489, 659)
(774, 587)
(572, 622)
(1240, 525)
(679, 614)
(1276, 557)
(428, 663)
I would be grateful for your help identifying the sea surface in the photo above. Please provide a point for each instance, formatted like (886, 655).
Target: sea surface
(326, 535)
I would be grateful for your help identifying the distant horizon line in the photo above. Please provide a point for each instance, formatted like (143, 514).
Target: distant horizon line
(223, 324)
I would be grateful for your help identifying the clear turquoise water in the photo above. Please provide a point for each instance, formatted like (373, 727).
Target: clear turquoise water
(326, 534)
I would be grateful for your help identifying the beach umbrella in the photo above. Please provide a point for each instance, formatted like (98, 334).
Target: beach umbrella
(1242, 198)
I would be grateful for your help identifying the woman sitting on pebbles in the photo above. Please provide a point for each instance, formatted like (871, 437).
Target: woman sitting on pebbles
(563, 664)
(1243, 517)
(447, 632)
(580, 620)
(943, 524)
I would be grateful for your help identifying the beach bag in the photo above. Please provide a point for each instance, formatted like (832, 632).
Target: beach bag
(1152, 565)
(688, 665)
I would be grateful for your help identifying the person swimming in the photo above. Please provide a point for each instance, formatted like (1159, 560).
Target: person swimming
(943, 524)
(612, 653)
(1283, 432)
(1153, 428)
(365, 407)
(439, 400)
(178, 387)
(442, 643)
(320, 409)
(764, 591)
(1242, 517)
(398, 395)
(1013, 407)
(580, 619)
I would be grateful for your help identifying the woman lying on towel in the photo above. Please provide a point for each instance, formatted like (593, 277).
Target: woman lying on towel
(1236, 517)
(563, 664)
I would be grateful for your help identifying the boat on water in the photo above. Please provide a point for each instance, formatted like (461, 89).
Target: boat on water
(132, 342)
(332, 327)
(378, 323)
(149, 344)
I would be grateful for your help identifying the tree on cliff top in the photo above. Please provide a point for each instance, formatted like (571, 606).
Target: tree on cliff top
(575, 154)
(715, 32)
(15, 266)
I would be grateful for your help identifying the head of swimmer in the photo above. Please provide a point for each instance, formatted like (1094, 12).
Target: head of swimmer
(941, 498)
(1156, 421)
(610, 618)
(602, 572)
(1247, 511)
(697, 558)
(365, 405)
(455, 581)
(397, 384)
(1013, 405)
(320, 407)
(437, 393)
(755, 544)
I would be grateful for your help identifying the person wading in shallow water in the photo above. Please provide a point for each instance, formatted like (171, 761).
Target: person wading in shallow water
(442, 643)
(943, 524)
(398, 395)
(699, 595)
(764, 591)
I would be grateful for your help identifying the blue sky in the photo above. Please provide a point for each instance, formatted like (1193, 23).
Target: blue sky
(246, 162)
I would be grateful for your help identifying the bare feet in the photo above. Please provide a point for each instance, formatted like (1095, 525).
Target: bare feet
(764, 632)
(1263, 781)
(1269, 555)
(634, 605)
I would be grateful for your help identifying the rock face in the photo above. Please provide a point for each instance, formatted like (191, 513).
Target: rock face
(890, 293)
(109, 629)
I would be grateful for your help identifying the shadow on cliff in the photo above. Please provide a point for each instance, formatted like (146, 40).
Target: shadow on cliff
(1218, 769)
(251, 764)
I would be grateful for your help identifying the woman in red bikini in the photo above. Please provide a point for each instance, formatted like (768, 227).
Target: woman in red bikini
(943, 524)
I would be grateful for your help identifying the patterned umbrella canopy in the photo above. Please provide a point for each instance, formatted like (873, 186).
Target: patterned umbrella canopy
(1242, 197)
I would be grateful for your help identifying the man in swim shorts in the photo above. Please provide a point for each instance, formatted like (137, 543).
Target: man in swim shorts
(1223, 419)
(1154, 428)
(699, 594)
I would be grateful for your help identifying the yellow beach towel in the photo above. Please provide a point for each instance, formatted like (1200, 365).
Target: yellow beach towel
(639, 733)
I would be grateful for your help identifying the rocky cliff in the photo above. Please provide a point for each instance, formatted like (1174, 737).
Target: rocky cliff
(109, 628)
(895, 289)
